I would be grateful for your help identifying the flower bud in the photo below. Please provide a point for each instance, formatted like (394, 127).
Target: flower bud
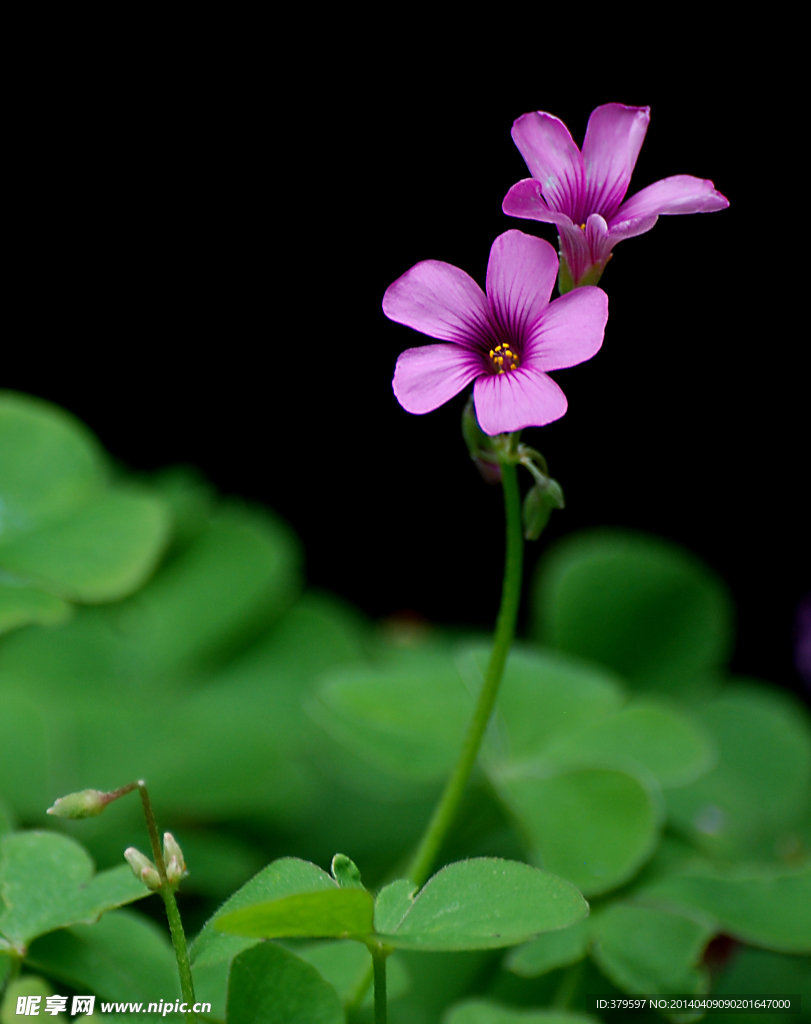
(345, 872)
(173, 856)
(85, 804)
(143, 868)
(538, 505)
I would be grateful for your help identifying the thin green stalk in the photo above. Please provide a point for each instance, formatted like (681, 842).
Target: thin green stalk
(152, 829)
(181, 952)
(381, 1005)
(168, 896)
(448, 806)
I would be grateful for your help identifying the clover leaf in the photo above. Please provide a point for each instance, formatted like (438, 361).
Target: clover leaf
(483, 903)
(65, 535)
(47, 882)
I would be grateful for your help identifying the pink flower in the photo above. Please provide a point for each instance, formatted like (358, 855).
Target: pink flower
(505, 341)
(582, 193)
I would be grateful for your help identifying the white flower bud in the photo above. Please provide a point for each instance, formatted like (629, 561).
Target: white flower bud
(142, 868)
(173, 855)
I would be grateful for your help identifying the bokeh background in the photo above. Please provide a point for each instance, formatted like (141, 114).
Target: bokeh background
(200, 250)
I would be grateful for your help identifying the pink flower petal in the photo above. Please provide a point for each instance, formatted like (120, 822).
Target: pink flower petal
(598, 238)
(431, 375)
(630, 228)
(570, 331)
(439, 300)
(552, 157)
(614, 137)
(575, 250)
(521, 274)
(681, 193)
(512, 401)
(525, 199)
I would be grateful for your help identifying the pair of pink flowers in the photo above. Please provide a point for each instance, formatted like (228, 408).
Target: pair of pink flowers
(507, 339)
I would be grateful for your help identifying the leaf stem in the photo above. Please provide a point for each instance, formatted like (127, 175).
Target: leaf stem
(379, 955)
(448, 806)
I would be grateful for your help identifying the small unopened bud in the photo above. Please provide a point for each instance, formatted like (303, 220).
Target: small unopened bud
(346, 872)
(142, 868)
(85, 804)
(538, 505)
(173, 855)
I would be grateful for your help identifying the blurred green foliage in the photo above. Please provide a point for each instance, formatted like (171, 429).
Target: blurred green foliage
(154, 630)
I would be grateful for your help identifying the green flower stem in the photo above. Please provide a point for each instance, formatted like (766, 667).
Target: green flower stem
(152, 829)
(448, 806)
(167, 893)
(379, 955)
(181, 952)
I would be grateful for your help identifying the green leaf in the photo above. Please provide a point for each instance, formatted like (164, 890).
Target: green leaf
(103, 552)
(24, 754)
(543, 697)
(225, 587)
(480, 1011)
(487, 903)
(550, 951)
(190, 498)
(47, 882)
(761, 785)
(28, 985)
(643, 606)
(124, 957)
(346, 872)
(345, 966)
(644, 950)
(337, 914)
(757, 971)
(406, 721)
(767, 908)
(50, 465)
(667, 743)
(6, 819)
(593, 826)
(23, 606)
(271, 985)
(285, 877)
(392, 904)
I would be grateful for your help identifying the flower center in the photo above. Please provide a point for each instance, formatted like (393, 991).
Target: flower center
(502, 359)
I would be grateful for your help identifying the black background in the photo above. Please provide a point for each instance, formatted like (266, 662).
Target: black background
(201, 246)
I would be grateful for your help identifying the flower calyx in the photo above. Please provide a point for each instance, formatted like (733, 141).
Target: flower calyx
(488, 453)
